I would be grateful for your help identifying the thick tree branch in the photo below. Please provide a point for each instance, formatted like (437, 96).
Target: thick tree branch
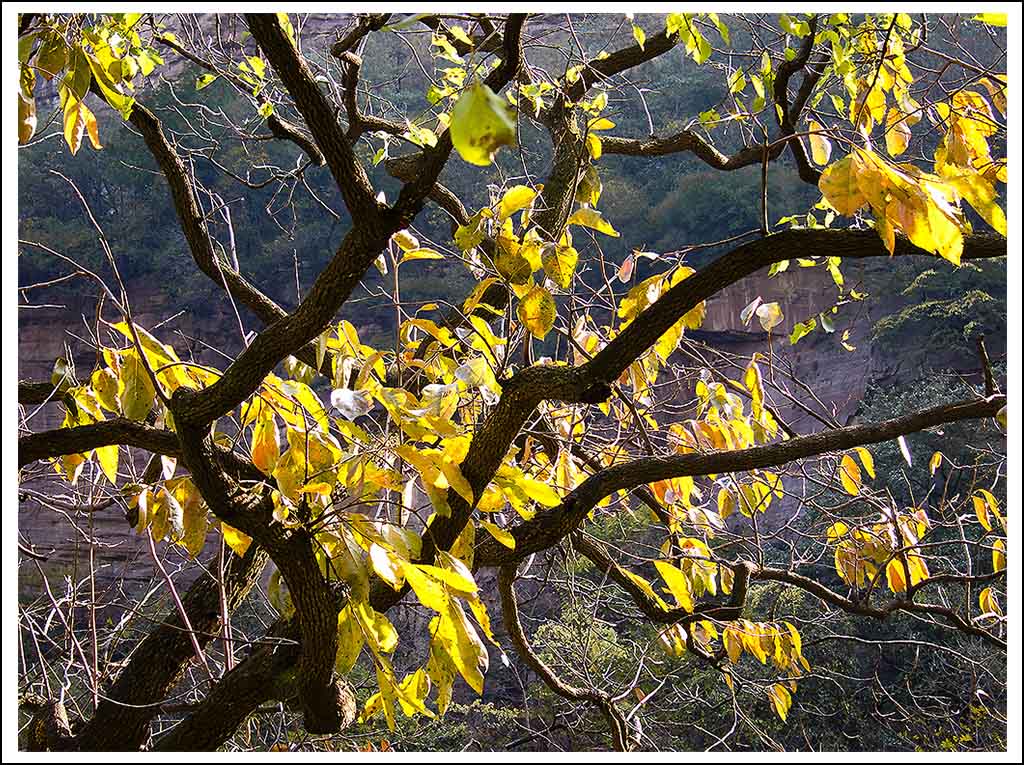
(688, 141)
(432, 160)
(650, 607)
(36, 392)
(884, 611)
(745, 261)
(554, 524)
(786, 116)
(121, 722)
(320, 116)
(123, 432)
(602, 68)
(84, 438)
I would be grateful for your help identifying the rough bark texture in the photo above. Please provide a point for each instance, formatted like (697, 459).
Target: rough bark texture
(121, 722)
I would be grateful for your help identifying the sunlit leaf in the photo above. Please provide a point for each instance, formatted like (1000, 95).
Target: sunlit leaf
(481, 123)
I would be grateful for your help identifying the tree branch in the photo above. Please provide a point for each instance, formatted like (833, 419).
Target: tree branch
(318, 113)
(121, 721)
(599, 699)
(554, 524)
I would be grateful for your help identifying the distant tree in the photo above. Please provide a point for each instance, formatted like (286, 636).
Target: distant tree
(559, 405)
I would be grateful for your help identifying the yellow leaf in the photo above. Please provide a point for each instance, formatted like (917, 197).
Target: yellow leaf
(455, 478)
(27, 119)
(897, 133)
(235, 539)
(428, 590)
(421, 253)
(981, 195)
(849, 473)
(463, 645)
(981, 510)
(515, 199)
(559, 263)
(481, 123)
(537, 311)
(781, 700)
(840, 187)
(591, 218)
(500, 534)
(139, 393)
(677, 583)
(726, 503)
(405, 240)
(998, 555)
(379, 632)
(866, 460)
(265, 444)
(455, 574)
(895, 572)
(769, 315)
(992, 19)
(107, 386)
(74, 125)
(934, 462)
(386, 567)
(350, 641)
(987, 602)
(733, 643)
(107, 457)
(539, 491)
(821, 147)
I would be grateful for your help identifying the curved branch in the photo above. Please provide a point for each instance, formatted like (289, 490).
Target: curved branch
(864, 609)
(650, 607)
(554, 524)
(621, 60)
(84, 438)
(600, 699)
(193, 224)
(786, 116)
(688, 140)
(740, 263)
(122, 432)
(432, 160)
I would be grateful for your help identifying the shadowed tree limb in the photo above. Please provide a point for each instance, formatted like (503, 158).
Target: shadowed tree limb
(599, 699)
(121, 722)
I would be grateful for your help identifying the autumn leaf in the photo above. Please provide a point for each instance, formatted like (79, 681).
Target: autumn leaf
(481, 123)
(537, 312)
(821, 147)
(849, 473)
